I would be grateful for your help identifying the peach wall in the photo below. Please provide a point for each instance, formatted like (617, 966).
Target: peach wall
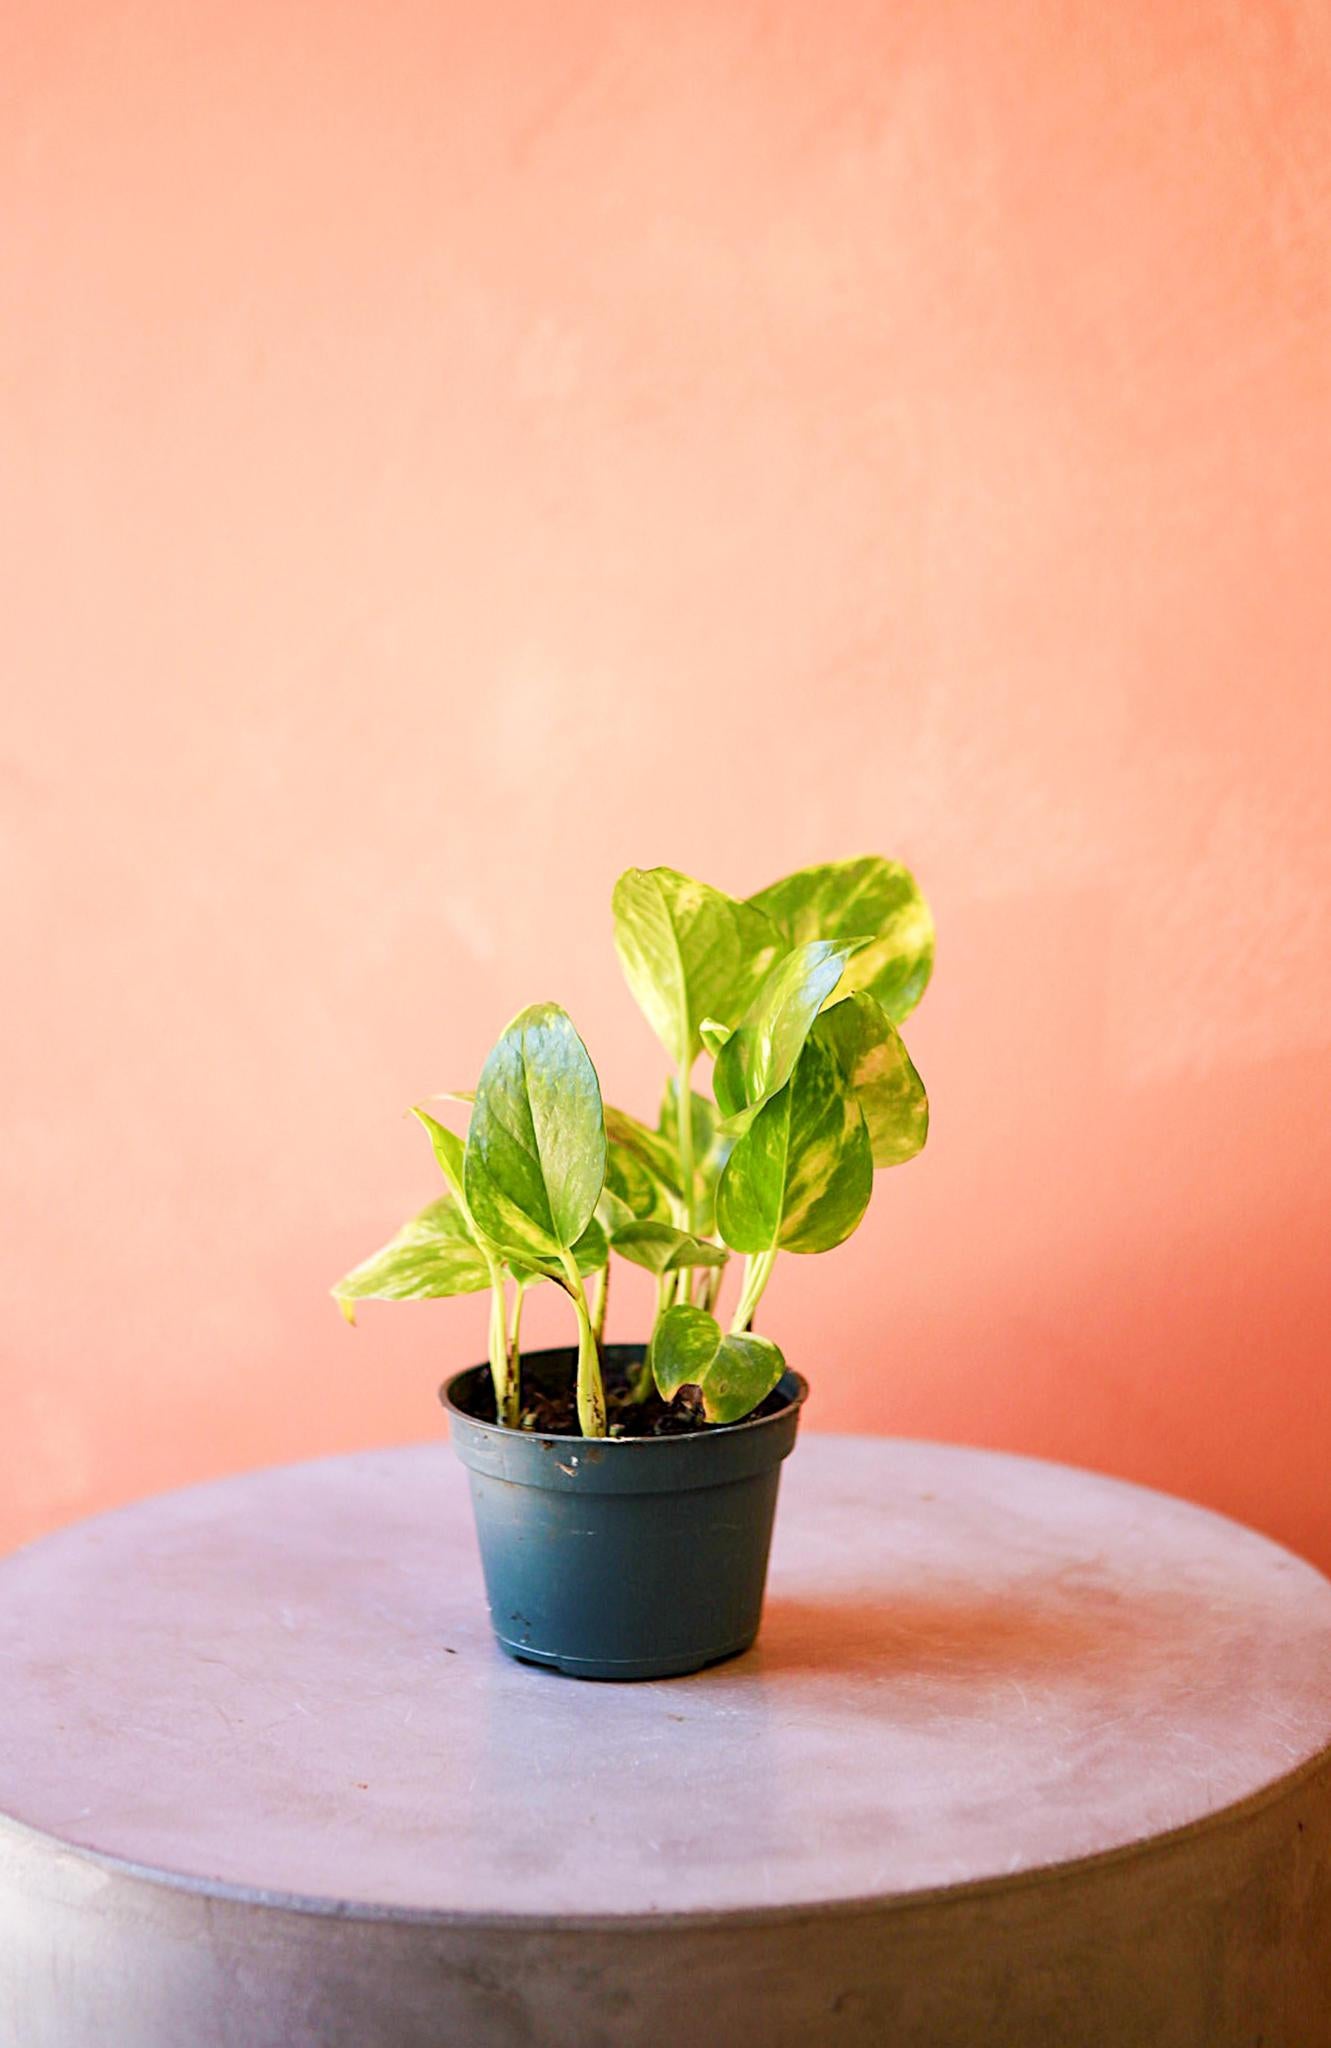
(453, 453)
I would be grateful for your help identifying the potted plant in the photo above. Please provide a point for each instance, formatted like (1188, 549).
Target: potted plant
(624, 1493)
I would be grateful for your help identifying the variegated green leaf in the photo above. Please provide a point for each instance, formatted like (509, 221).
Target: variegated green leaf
(801, 1176)
(433, 1255)
(536, 1147)
(649, 1148)
(448, 1148)
(868, 1049)
(589, 1254)
(663, 1249)
(591, 1251)
(640, 1190)
(759, 1056)
(711, 1149)
(732, 1372)
(683, 1345)
(688, 953)
(869, 898)
(613, 1213)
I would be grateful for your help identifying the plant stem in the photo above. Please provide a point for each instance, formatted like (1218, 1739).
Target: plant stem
(505, 1381)
(591, 1393)
(600, 1303)
(757, 1272)
(515, 1340)
(640, 1378)
(684, 1122)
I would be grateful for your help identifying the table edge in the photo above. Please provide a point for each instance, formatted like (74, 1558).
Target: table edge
(1231, 1816)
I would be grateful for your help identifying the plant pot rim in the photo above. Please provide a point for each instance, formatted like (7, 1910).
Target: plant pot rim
(794, 1383)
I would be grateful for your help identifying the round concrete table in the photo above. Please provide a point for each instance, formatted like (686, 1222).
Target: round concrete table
(1023, 1755)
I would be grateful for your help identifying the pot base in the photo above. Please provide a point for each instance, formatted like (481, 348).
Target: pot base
(623, 1669)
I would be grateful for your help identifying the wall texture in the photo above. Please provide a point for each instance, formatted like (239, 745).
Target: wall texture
(452, 453)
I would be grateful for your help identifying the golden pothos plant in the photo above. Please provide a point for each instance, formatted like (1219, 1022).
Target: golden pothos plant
(794, 997)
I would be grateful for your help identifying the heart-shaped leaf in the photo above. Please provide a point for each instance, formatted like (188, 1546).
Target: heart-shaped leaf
(431, 1256)
(732, 1372)
(868, 1049)
(663, 1249)
(870, 898)
(759, 1056)
(536, 1148)
(801, 1176)
(688, 953)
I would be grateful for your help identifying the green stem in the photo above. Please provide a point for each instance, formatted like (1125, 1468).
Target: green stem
(757, 1272)
(641, 1381)
(591, 1393)
(505, 1382)
(515, 1343)
(600, 1302)
(684, 1121)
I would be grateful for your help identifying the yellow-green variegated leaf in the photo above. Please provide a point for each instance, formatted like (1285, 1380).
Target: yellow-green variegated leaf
(872, 899)
(868, 1049)
(448, 1148)
(688, 953)
(649, 1148)
(732, 1372)
(535, 1157)
(589, 1253)
(612, 1213)
(759, 1056)
(433, 1255)
(638, 1189)
(711, 1149)
(591, 1250)
(663, 1249)
(800, 1178)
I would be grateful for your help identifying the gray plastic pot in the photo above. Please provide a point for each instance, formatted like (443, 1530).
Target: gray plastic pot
(622, 1557)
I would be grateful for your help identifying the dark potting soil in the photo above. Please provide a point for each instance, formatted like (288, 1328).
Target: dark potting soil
(551, 1409)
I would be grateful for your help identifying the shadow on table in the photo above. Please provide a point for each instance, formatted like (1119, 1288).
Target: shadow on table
(965, 1633)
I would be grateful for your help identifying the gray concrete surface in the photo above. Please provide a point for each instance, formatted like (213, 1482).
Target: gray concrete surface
(1023, 1755)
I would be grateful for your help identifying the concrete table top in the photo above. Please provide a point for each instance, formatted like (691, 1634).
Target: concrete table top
(280, 1691)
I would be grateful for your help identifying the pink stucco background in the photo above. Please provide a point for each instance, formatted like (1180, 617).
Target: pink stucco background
(452, 454)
